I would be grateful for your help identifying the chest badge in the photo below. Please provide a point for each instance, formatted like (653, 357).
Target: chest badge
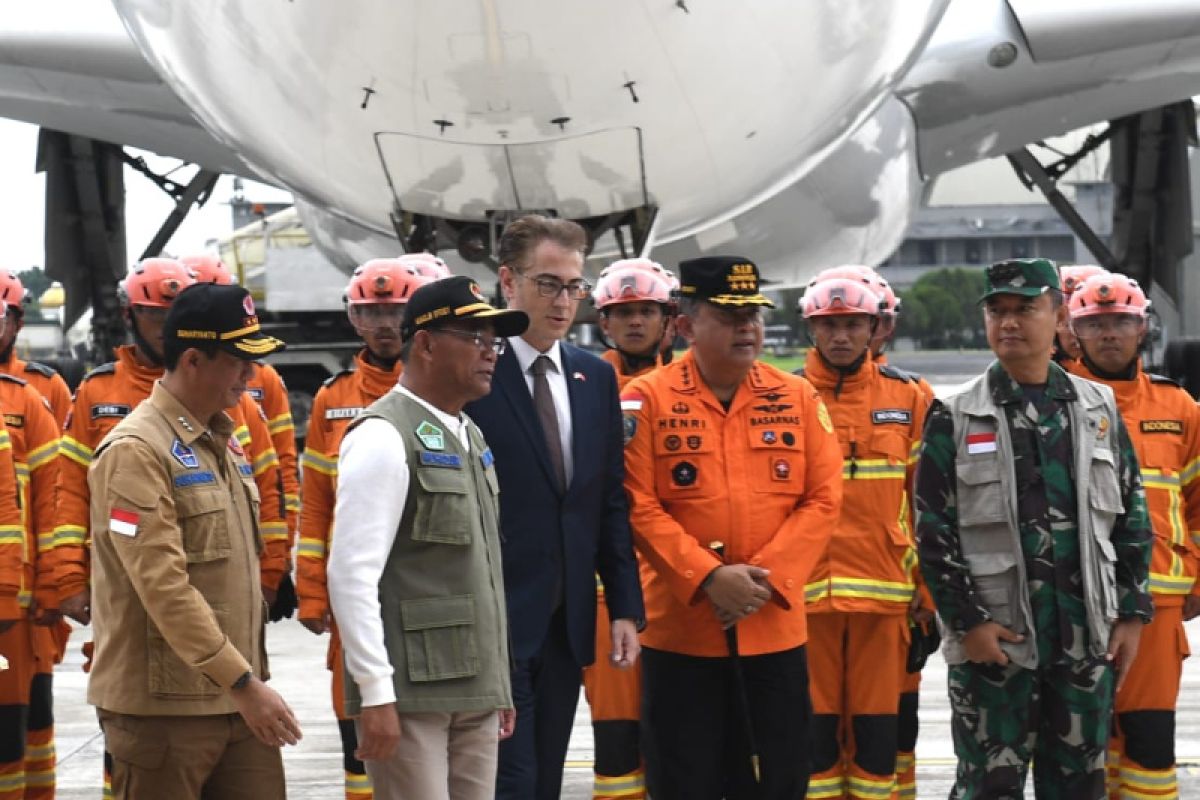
(185, 455)
(978, 443)
(1102, 429)
(431, 436)
(781, 469)
(769, 437)
(684, 473)
(672, 443)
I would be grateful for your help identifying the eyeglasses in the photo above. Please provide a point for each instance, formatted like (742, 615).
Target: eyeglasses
(553, 287)
(376, 316)
(1120, 324)
(151, 313)
(496, 345)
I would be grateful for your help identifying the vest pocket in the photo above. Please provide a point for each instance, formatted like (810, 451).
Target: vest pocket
(995, 578)
(203, 523)
(980, 493)
(442, 516)
(168, 675)
(439, 638)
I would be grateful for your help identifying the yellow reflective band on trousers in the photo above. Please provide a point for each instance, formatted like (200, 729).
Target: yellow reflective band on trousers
(624, 787)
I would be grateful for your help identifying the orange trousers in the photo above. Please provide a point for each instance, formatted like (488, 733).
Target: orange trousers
(615, 697)
(906, 749)
(19, 646)
(357, 784)
(855, 663)
(1141, 753)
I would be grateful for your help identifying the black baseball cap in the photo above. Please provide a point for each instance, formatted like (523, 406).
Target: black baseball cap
(457, 297)
(223, 315)
(723, 280)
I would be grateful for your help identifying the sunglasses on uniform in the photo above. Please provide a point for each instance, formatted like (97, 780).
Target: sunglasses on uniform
(548, 286)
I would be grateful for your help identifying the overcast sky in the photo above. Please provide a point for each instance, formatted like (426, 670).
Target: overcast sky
(22, 203)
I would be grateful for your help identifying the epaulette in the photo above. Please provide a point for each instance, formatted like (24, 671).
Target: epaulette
(334, 378)
(13, 378)
(44, 370)
(799, 371)
(897, 374)
(103, 369)
(1163, 379)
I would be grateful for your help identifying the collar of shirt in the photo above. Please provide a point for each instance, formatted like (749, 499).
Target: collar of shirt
(187, 428)
(527, 353)
(1006, 390)
(457, 425)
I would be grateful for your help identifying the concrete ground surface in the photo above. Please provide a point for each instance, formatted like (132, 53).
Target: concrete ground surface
(314, 770)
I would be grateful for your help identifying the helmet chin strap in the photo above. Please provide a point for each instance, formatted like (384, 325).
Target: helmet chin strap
(143, 345)
(376, 360)
(1126, 374)
(843, 372)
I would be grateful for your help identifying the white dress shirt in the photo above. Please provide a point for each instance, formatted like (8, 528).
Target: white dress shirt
(372, 489)
(526, 354)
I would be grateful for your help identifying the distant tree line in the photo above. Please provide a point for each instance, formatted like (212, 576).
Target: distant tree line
(941, 311)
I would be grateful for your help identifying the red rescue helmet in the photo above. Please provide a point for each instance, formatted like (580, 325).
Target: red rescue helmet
(12, 292)
(1108, 293)
(208, 268)
(426, 264)
(829, 296)
(155, 282)
(384, 280)
(632, 280)
(1073, 276)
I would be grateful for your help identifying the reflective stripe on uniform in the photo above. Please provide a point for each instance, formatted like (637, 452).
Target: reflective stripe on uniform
(40, 456)
(311, 459)
(75, 450)
(281, 423)
(311, 548)
(872, 469)
(69, 535)
(871, 589)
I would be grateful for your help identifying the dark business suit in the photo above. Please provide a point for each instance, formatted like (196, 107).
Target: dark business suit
(553, 544)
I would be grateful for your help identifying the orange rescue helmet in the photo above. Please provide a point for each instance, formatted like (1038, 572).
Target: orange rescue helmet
(1108, 293)
(829, 296)
(1073, 276)
(208, 268)
(632, 280)
(12, 292)
(384, 280)
(155, 282)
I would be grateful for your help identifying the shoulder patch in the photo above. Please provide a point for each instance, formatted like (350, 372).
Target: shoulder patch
(41, 369)
(897, 374)
(1163, 379)
(103, 369)
(12, 378)
(332, 379)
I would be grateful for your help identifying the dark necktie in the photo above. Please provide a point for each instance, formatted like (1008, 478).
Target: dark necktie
(543, 402)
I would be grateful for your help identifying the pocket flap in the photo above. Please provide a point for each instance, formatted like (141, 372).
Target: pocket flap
(1106, 547)
(976, 473)
(990, 563)
(442, 480)
(438, 612)
(892, 444)
(199, 501)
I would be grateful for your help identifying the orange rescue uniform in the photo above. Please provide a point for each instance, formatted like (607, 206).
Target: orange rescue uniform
(860, 591)
(48, 383)
(1164, 423)
(18, 573)
(336, 405)
(103, 399)
(763, 478)
(267, 389)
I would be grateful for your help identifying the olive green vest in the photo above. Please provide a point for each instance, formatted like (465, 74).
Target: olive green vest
(442, 588)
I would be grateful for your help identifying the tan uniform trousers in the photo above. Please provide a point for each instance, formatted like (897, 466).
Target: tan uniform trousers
(213, 757)
(441, 756)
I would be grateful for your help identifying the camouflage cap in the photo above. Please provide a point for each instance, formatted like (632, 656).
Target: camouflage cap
(1028, 277)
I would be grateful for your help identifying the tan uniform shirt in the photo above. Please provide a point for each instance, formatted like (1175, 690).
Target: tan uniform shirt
(177, 609)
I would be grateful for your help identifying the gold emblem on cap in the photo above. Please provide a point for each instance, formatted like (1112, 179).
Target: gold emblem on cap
(475, 290)
(741, 278)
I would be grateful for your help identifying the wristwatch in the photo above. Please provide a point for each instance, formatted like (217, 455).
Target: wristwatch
(243, 681)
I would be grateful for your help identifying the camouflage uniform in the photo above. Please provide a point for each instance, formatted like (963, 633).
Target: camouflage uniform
(1059, 713)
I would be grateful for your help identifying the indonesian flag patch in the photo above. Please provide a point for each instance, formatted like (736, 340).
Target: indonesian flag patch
(123, 522)
(981, 443)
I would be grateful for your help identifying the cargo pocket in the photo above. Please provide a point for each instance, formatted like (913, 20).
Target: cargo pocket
(169, 676)
(995, 578)
(442, 517)
(1104, 492)
(983, 524)
(439, 638)
(1108, 575)
(139, 742)
(203, 523)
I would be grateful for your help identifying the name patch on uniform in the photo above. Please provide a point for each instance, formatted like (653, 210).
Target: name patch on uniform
(110, 410)
(255, 393)
(246, 470)
(193, 479)
(487, 459)
(452, 460)
(981, 443)
(123, 522)
(14, 420)
(882, 416)
(345, 412)
(1148, 425)
(184, 455)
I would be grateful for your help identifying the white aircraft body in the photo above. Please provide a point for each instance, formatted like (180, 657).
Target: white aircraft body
(801, 134)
